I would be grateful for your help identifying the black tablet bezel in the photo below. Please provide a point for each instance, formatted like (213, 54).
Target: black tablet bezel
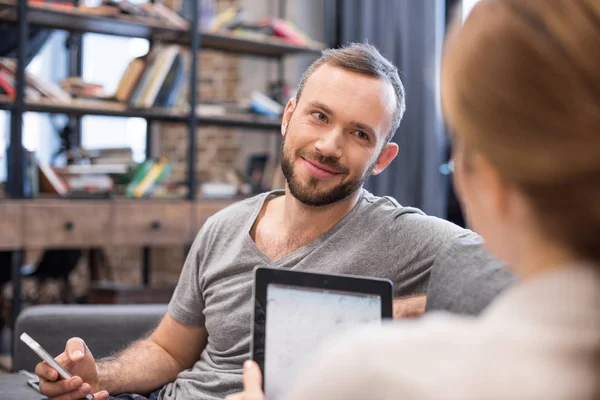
(264, 276)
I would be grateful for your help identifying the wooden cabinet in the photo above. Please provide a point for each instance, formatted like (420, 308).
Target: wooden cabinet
(152, 223)
(42, 223)
(11, 225)
(66, 224)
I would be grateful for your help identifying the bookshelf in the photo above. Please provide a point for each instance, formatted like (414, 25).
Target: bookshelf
(73, 21)
(63, 212)
(112, 109)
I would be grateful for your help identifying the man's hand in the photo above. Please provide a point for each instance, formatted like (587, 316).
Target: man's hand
(79, 361)
(409, 306)
(252, 384)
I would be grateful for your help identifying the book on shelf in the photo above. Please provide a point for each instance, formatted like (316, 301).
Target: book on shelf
(168, 14)
(286, 30)
(130, 78)
(50, 182)
(154, 11)
(57, 5)
(113, 156)
(264, 105)
(9, 86)
(229, 18)
(157, 80)
(233, 19)
(142, 180)
(93, 169)
(151, 13)
(78, 88)
(37, 87)
(162, 81)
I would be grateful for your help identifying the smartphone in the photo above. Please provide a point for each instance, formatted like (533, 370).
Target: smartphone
(40, 351)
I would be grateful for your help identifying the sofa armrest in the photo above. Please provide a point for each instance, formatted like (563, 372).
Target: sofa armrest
(105, 328)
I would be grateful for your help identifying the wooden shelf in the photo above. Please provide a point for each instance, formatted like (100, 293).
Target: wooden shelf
(81, 108)
(81, 22)
(75, 21)
(267, 47)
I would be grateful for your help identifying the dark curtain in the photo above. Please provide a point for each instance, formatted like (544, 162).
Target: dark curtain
(410, 34)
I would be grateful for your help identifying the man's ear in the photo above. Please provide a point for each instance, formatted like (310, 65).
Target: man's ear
(287, 114)
(390, 151)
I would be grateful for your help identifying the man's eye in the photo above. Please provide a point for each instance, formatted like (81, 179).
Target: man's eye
(361, 135)
(320, 116)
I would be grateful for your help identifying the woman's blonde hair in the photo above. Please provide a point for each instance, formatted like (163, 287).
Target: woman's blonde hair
(521, 85)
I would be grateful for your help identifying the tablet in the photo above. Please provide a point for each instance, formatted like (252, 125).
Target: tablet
(295, 313)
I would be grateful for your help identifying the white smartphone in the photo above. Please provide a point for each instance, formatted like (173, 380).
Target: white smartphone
(40, 351)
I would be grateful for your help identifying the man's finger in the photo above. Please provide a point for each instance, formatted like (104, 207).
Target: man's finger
(75, 348)
(63, 386)
(45, 371)
(252, 378)
(83, 391)
(101, 395)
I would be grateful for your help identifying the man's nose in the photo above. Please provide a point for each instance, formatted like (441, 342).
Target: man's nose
(330, 143)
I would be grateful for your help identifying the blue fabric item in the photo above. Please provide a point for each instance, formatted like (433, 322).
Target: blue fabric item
(133, 396)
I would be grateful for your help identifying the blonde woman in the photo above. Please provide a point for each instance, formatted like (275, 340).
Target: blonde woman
(521, 93)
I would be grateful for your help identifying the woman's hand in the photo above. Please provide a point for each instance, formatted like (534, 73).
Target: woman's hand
(252, 383)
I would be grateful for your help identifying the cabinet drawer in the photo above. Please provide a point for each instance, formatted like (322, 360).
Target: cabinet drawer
(66, 224)
(152, 223)
(204, 209)
(11, 215)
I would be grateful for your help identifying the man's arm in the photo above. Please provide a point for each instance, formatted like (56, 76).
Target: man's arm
(152, 362)
(409, 306)
(142, 367)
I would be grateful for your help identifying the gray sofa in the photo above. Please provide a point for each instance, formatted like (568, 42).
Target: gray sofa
(105, 329)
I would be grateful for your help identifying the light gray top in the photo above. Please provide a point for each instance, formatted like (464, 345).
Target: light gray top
(378, 238)
(538, 340)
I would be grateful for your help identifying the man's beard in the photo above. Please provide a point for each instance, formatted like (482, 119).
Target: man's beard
(308, 193)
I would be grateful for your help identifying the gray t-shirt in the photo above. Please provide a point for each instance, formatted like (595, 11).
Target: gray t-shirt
(378, 238)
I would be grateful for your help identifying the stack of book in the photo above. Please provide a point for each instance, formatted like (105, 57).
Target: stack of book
(100, 174)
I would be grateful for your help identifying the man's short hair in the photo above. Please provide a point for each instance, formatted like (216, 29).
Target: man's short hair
(364, 59)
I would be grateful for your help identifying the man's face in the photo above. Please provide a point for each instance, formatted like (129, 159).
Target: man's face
(334, 137)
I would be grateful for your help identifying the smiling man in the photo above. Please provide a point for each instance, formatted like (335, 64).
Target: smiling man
(336, 133)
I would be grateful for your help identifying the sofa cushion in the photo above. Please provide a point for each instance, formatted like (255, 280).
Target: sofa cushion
(15, 387)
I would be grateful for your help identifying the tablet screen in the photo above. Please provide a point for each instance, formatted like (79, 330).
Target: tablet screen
(300, 320)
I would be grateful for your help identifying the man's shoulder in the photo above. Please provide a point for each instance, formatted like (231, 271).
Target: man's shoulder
(235, 215)
(388, 207)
